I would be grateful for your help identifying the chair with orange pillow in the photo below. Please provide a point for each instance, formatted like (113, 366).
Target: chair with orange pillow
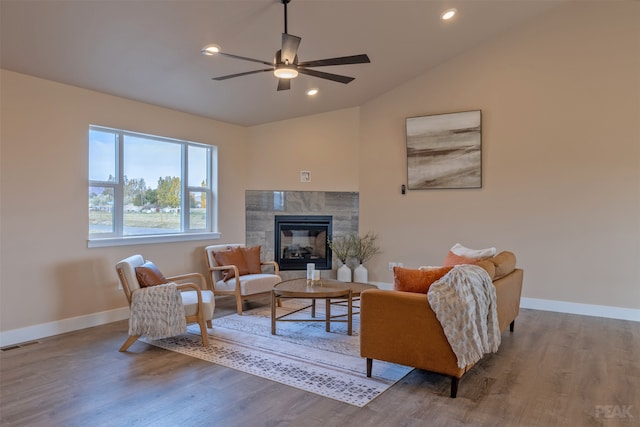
(136, 273)
(238, 271)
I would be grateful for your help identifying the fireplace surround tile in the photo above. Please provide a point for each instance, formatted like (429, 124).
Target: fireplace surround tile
(263, 205)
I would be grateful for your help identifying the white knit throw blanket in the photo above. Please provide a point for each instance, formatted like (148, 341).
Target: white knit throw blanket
(464, 301)
(157, 312)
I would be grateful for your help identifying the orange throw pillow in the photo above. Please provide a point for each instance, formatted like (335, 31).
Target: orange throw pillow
(418, 281)
(252, 259)
(149, 275)
(232, 256)
(453, 259)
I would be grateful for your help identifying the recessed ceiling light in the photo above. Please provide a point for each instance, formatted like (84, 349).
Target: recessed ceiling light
(448, 14)
(312, 92)
(210, 49)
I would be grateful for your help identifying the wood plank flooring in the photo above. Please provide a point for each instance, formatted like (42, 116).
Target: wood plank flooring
(554, 370)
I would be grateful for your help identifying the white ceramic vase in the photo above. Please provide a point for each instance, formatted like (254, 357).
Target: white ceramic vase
(360, 274)
(344, 273)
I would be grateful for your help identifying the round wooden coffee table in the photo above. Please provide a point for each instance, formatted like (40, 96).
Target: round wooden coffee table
(326, 289)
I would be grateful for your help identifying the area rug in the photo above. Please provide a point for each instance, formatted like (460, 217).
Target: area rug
(301, 354)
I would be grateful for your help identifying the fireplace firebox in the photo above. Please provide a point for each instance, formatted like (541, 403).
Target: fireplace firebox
(302, 239)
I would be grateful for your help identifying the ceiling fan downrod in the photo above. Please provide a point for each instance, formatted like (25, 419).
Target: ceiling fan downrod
(285, 2)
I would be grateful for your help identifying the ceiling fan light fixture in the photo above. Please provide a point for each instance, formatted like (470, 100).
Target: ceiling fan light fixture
(448, 14)
(285, 72)
(210, 49)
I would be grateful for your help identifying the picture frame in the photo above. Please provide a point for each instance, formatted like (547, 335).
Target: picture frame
(444, 151)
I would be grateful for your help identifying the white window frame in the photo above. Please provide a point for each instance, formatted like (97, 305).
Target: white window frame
(117, 237)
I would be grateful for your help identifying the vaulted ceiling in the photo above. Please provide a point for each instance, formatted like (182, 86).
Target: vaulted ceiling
(149, 50)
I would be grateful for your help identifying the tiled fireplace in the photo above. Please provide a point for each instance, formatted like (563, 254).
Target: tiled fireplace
(262, 208)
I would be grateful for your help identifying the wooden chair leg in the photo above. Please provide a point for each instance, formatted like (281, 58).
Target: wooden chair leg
(239, 304)
(203, 331)
(369, 366)
(209, 323)
(204, 335)
(128, 342)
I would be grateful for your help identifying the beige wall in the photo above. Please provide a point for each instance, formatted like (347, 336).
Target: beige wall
(561, 170)
(324, 144)
(560, 101)
(48, 273)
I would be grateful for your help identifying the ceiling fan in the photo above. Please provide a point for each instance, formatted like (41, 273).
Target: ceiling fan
(285, 65)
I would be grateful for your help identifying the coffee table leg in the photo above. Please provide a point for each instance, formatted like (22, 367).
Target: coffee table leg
(273, 312)
(313, 307)
(349, 313)
(328, 314)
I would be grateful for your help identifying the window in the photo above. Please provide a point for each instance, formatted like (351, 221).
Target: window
(146, 188)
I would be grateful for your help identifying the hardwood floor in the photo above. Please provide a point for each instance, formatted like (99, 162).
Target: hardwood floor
(554, 370)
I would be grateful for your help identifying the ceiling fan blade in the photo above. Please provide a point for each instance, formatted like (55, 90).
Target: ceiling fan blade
(343, 60)
(230, 55)
(290, 45)
(284, 84)
(230, 76)
(327, 76)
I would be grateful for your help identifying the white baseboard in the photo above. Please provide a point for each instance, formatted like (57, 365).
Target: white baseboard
(632, 314)
(35, 332)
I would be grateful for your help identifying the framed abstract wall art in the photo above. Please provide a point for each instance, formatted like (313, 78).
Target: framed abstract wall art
(444, 151)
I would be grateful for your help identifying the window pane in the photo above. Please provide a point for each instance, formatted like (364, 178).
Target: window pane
(101, 210)
(102, 155)
(152, 189)
(198, 210)
(198, 166)
(136, 185)
(151, 220)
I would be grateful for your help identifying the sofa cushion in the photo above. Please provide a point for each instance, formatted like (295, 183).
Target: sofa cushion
(488, 266)
(231, 256)
(505, 263)
(418, 281)
(149, 275)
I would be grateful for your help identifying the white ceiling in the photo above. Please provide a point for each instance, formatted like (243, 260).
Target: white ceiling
(149, 50)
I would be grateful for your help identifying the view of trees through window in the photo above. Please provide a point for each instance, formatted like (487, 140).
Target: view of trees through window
(137, 183)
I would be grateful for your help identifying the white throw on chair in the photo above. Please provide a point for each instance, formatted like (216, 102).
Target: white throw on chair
(228, 277)
(197, 301)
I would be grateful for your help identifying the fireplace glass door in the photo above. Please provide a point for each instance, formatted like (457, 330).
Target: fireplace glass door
(302, 239)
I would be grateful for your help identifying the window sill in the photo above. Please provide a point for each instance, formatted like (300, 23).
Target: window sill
(148, 240)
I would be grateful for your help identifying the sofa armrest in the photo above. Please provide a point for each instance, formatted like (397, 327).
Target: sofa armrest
(508, 292)
(401, 327)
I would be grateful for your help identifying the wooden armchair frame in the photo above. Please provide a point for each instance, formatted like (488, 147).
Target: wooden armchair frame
(236, 292)
(198, 317)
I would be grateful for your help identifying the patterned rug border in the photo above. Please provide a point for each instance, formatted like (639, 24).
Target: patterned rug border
(301, 355)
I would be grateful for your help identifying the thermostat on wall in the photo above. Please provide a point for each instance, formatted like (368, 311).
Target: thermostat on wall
(305, 176)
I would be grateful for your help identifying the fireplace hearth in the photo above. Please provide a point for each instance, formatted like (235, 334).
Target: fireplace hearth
(302, 239)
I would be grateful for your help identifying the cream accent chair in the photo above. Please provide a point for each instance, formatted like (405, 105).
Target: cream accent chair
(243, 288)
(199, 302)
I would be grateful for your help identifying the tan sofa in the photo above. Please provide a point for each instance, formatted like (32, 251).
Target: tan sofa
(400, 327)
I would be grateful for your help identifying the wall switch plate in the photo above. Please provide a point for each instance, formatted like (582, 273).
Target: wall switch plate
(395, 264)
(305, 176)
